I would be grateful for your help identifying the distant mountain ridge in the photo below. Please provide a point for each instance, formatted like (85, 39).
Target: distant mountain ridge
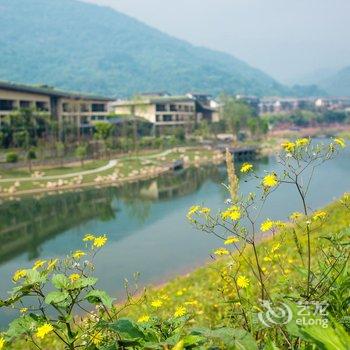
(78, 46)
(337, 84)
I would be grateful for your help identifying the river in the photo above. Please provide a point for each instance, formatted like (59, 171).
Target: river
(145, 223)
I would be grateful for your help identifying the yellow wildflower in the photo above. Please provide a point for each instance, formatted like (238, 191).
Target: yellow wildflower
(19, 274)
(295, 216)
(266, 225)
(288, 146)
(74, 277)
(96, 338)
(52, 264)
(43, 330)
(179, 293)
(270, 180)
(267, 258)
(191, 302)
(38, 264)
(2, 343)
(100, 241)
(205, 210)
(242, 281)
(340, 142)
(78, 254)
(231, 240)
(302, 142)
(275, 247)
(232, 213)
(88, 237)
(221, 251)
(165, 297)
(193, 210)
(23, 310)
(180, 311)
(320, 215)
(157, 303)
(246, 167)
(143, 319)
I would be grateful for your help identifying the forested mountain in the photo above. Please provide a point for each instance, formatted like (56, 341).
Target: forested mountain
(83, 47)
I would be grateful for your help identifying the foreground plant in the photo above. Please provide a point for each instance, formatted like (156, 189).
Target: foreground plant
(255, 279)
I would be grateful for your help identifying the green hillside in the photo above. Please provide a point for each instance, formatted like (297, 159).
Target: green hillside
(78, 46)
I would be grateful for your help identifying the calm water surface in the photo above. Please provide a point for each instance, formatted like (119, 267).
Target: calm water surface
(145, 222)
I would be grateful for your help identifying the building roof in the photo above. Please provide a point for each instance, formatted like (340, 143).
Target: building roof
(153, 99)
(49, 91)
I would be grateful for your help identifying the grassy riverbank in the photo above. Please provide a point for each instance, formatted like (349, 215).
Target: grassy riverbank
(207, 293)
(116, 171)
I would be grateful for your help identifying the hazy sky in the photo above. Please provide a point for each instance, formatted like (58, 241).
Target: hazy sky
(285, 38)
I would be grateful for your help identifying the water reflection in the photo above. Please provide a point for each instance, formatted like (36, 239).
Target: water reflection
(29, 222)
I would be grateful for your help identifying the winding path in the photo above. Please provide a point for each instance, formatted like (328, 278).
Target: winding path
(111, 164)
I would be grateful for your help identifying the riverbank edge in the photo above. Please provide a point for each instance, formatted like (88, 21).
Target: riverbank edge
(115, 183)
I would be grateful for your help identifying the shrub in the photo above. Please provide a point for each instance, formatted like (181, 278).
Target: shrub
(11, 157)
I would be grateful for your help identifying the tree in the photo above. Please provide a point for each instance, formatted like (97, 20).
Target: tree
(103, 132)
(60, 150)
(81, 153)
(30, 156)
(235, 113)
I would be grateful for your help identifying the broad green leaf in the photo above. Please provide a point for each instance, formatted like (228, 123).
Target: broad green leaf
(60, 281)
(237, 338)
(56, 297)
(21, 326)
(98, 297)
(327, 338)
(84, 282)
(34, 277)
(270, 346)
(126, 327)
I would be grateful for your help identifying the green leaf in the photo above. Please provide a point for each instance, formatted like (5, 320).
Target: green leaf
(237, 338)
(84, 282)
(270, 345)
(127, 327)
(34, 277)
(56, 297)
(98, 297)
(327, 338)
(60, 281)
(20, 326)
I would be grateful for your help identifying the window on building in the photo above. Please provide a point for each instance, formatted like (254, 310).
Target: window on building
(66, 107)
(98, 107)
(6, 105)
(24, 104)
(173, 108)
(84, 120)
(84, 107)
(167, 117)
(160, 107)
(41, 106)
(158, 118)
(186, 108)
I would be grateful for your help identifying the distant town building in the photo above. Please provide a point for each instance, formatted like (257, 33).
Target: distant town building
(168, 112)
(65, 107)
(206, 107)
